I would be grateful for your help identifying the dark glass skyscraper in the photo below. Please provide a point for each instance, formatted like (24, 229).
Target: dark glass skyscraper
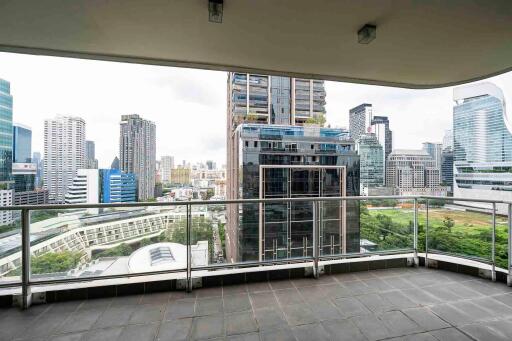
(5, 131)
(289, 162)
(21, 143)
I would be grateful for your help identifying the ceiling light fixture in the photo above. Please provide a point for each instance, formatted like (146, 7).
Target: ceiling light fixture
(366, 34)
(215, 8)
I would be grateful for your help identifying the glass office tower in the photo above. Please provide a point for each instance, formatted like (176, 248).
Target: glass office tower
(372, 162)
(288, 162)
(117, 186)
(22, 143)
(5, 131)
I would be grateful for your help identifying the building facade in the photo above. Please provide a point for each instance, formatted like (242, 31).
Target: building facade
(360, 119)
(166, 166)
(380, 127)
(413, 172)
(24, 176)
(285, 162)
(64, 150)
(21, 143)
(37, 160)
(371, 157)
(35, 197)
(6, 199)
(447, 169)
(84, 188)
(181, 176)
(137, 150)
(90, 155)
(435, 151)
(6, 130)
(117, 186)
(482, 153)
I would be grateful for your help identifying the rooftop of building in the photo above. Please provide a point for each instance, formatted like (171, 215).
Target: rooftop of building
(415, 152)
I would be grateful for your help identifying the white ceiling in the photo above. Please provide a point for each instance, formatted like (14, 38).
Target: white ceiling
(420, 43)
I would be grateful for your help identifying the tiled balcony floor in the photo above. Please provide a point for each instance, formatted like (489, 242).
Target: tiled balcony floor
(396, 304)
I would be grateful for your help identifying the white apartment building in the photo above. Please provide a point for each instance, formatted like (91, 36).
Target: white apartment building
(85, 188)
(64, 154)
(166, 165)
(6, 199)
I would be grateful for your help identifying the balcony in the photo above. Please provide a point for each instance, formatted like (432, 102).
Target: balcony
(355, 285)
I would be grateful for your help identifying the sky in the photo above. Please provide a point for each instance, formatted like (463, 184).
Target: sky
(189, 105)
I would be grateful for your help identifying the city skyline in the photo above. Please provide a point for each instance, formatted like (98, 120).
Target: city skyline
(163, 93)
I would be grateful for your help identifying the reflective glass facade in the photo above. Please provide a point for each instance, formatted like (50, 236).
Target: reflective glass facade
(22, 144)
(287, 162)
(117, 186)
(372, 161)
(5, 131)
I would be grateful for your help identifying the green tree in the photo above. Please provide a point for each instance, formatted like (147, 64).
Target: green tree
(52, 262)
(318, 119)
(448, 223)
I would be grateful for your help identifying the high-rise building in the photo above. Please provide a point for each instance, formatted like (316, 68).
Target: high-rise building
(371, 162)
(117, 186)
(210, 165)
(24, 176)
(435, 151)
(360, 120)
(137, 150)
(85, 188)
(36, 159)
(166, 166)
(6, 135)
(64, 154)
(413, 172)
(90, 155)
(180, 176)
(380, 127)
(36, 197)
(448, 139)
(21, 143)
(6, 199)
(447, 168)
(286, 162)
(115, 163)
(482, 149)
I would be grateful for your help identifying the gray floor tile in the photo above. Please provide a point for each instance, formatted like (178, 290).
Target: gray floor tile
(289, 296)
(504, 298)
(474, 311)
(263, 300)
(180, 309)
(148, 313)
(345, 277)
(126, 300)
(258, 287)
(298, 314)
(240, 323)
(97, 303)
(236, 303)
(175, 330)
(494, 307)
(234, 289)
(336, 291)
(399, 324)
(442, 293)
(209, 306)
(281, 284)
(399, 299)
(357, 287)
(308, 332)
(377, 285)
(414, 337)
(284, 334)
(244, 337)
(398, 283)
(158, 298)
(425, 318)
(79, 321)
(462, 291)
(501, 327)
(450, 314)
(270, 318)
(343, 330)
(209, 292)
(376, 303)
(420, 296)
(449, 334)
(325, 311)
(115, 316)
(67, 337)
(43, 326)
(350, 306)
(103, 334)
(138, 332)
(372, 328)
(481, 332)
(207, 327)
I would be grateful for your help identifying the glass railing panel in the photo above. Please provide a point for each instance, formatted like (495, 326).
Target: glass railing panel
(10, 247)
(386, 225)
(106, 242)
(462, 230)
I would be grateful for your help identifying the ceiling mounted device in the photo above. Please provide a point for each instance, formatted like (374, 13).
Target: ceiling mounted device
(215, 8)
(367, 34)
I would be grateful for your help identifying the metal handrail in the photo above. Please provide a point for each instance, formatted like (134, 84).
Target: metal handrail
(26, 281)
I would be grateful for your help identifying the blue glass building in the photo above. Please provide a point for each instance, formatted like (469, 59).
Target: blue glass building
(117, 186)
(5, 131)
(21, 143)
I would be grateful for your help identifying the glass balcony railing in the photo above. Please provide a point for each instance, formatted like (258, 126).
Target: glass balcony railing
(58, 244)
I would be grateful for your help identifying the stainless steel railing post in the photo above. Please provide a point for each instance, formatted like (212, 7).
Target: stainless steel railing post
(426, 234)
(493, 247)
(189, 248)
(509, 245)
(415, 241)
(25, 259)
(316, 239)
